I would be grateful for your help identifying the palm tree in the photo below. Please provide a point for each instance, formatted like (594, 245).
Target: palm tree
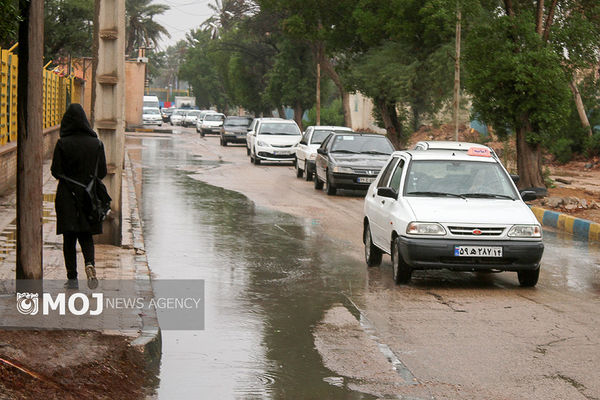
(142, 30)
(226, 13)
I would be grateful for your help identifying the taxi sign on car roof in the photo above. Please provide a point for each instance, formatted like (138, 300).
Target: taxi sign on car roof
(479, 151)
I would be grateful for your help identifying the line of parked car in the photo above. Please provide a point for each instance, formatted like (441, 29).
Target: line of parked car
(440, 205)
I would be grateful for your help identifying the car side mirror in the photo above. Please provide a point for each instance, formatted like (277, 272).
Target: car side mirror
(528, 195)
(515, 178)
(387, 192)
(321, 151)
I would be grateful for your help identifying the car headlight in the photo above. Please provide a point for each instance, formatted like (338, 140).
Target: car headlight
(261, 143)
(529, 231)
(343, 170)
(425, 228)
(312, 156)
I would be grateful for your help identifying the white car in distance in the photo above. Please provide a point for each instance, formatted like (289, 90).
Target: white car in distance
(151, 116)
(190, 118)
(273, 139)
(177, 117)
(211, 122)
(306, 151)
(448, 209)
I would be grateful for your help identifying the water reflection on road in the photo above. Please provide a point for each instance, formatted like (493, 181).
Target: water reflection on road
(269, 279)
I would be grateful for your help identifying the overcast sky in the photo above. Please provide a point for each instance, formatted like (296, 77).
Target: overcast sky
(183, 16)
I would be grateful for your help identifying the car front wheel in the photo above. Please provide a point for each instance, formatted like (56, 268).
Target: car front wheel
(329, 187)
(402, 271)
(373, 254)
(299, 171)
(529, 278)
(318, 183)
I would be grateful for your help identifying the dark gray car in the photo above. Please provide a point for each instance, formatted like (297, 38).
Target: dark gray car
(350, 160)
(234, 130)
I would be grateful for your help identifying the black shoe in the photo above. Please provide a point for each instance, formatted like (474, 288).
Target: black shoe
(71, 284)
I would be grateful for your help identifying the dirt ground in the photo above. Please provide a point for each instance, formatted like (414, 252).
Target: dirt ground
(71, 365)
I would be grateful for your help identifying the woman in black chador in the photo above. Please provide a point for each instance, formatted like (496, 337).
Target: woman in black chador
(77, 155)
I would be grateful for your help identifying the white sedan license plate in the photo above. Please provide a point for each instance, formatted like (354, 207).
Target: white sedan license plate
(365, 180)
(477, 251)
(281, 152)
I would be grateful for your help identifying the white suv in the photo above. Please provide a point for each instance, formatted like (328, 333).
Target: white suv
(306, 152)
(447, 209)
(273, 139)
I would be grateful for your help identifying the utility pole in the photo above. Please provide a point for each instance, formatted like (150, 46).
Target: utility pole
(457, 72)
(30, 141)
(108, 93)
(318, 90)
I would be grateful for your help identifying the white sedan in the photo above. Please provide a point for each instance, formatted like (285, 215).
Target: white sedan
(306, 151)
(455, 210)
(151, 116)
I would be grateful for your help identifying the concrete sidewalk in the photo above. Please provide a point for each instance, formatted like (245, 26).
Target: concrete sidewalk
(124, 263)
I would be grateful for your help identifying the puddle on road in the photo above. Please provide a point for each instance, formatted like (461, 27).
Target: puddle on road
(269, 280)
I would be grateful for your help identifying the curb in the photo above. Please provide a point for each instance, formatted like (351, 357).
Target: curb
(138, 129)
(581, 228)
(149, 342)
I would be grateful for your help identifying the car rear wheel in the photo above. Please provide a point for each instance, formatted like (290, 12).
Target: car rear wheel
(402, 271)
(318, 183)
(331, 189)
(373, 254)
(529, 278)
(299, 171)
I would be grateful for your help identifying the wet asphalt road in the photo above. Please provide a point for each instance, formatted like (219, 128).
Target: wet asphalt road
(271, 278)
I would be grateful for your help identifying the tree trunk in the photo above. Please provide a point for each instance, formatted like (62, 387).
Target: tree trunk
(328, 68)
(280, 111)
(30, 144)
(580, 108)
(298, 111)
(391, 122)
(529, 159)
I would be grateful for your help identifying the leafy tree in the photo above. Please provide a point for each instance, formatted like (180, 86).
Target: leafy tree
(142, 29)
(406, 60)
(328, 27)
(200, 71)
(9, 19)
(68, 26)
(292, 81)
(518, 59)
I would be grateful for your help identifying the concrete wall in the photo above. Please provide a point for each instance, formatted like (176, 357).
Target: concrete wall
(361, 108)
(8, 159)
(134, 92)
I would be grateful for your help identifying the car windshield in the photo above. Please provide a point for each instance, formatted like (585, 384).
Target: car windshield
(458, 178)
(274, 128)
(319, 136)
(179, 113)
(193, 113)
(238, 122)
(151, 111)
(368, 144)
(213, 117)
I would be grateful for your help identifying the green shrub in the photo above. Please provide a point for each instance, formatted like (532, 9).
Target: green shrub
(592, 145)
(330, 115)
(561, 150)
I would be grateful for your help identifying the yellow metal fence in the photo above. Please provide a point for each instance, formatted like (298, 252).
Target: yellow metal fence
(57, 92)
